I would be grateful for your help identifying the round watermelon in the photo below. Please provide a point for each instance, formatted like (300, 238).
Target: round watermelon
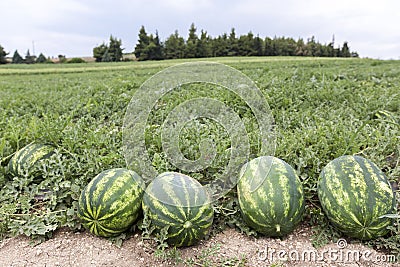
(111, 202)
(270, 196)
(354, 194)
(180, 204)
(27, 157)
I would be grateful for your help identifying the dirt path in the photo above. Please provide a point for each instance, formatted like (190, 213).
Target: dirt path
(229, 248)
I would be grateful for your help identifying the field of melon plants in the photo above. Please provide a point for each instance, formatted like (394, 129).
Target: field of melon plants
(322, 109)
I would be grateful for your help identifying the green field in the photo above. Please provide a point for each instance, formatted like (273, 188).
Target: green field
(323, 108)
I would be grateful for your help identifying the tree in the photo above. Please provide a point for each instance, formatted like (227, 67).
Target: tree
(17, 59)
(158, 48)
(246, 45)
(191, 43)
(62, 59)
(286, 46)
(106, 57)
(76, 60)
(300, 48)
(28, 58)
(268, 47)
(174, 46)
(233, 44)
(109, 53)
(220, 46)
(312, 47)
(41, 59)
(330, 49)
(115, 50)
(154, 50)
(204, 48)
(98, 52)
(345, 51)
(3, 55)
(143, 42)
(354, 54)
(257, 47)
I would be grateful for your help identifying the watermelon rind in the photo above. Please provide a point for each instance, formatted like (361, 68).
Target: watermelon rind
(271, 196)
(179, 203)
(111, 202)
(354, 194)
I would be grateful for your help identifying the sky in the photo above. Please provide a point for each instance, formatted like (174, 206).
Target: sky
(74, 27)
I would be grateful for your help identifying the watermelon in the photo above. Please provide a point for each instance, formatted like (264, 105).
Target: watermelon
(27, 157)
(3, 178)
(270, 196)
(180, 204)
(354, 193)
(111, 202)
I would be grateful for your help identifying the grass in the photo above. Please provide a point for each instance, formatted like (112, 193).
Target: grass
(323, 108)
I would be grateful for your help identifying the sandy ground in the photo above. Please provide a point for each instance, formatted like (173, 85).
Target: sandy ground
(228, 248)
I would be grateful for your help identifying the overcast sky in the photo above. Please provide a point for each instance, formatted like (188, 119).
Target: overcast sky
(74, 27)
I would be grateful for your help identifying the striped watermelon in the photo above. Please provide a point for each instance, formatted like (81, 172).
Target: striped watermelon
(111, 202)
(3, 178)
(354, 193)
(181, 204)
(27, 157)
(270, 196)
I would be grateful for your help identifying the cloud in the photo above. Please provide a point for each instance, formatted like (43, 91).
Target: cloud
(31, 21)
(74, 27)
(371, 28)
(184, 5)
(41, 12)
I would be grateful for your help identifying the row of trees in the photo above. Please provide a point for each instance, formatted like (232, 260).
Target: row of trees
(150, 47)
(32, 59)
(18, 59)
(29, 59)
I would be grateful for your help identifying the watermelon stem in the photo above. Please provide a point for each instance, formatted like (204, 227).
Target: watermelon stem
(6, 158)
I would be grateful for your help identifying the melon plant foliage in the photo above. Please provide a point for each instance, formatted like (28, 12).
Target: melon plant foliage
(322, 109)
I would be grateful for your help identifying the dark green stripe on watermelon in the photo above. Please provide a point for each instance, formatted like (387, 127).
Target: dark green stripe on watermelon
(270, 196)
(27, 157)
(111, 202)
(354, 193)
(180, 203)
